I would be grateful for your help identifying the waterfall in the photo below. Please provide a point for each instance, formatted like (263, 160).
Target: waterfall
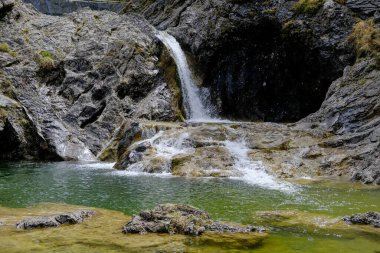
(195, 108)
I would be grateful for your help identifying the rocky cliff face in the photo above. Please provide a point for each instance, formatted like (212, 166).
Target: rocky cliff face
(276, 60)
(262, 60)
(76, 78)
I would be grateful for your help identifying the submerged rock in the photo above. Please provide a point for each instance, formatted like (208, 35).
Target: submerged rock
(370, 218)
(179, 219)
(55, 220)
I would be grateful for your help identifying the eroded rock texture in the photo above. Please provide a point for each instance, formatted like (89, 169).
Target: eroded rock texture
(370, 218)
(76, 78)
(179, 219)
(269, 61)
(261, 60)
(55, 220)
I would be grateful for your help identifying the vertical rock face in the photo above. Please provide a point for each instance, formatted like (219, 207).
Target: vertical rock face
(261, 61)
(19, 136)
(273, 61)
(79, 76)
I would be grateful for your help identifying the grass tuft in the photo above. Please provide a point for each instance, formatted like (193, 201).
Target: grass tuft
(45, 60)
(307, 6)
(366, 38)
(4, 47)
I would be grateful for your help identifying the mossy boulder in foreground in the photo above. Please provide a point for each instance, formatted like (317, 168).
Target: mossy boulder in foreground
(180, 219)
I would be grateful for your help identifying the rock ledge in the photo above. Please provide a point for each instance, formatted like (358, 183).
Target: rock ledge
(55, 220)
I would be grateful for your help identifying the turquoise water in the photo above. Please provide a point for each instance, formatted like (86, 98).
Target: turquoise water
(97, 185)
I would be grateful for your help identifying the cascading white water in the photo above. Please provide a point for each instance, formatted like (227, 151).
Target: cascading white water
(195, 108)
(253, 171)
(167, 146)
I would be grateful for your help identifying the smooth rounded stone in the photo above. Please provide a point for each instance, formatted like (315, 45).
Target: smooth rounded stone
(369, 218)
(179, 219)
(55, 220)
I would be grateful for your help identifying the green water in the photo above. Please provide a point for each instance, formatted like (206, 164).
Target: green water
(95, 185)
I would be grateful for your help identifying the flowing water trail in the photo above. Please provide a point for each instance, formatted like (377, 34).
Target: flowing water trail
(195, 108)
(254, 171)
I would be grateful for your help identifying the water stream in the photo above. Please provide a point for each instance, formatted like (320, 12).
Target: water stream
(195, 108)
(306, 213)
(98, 185)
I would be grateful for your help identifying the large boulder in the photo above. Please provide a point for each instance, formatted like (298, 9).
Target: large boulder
(179, 219)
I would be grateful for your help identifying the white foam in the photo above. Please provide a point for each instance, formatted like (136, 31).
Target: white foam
(253, 172)
(128, 173)
(99, 165)
(195, 107)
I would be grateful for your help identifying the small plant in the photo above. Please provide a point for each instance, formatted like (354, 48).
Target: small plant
(25, 35)
(307, 6)
(4, 47)
(366, 38)
(45, 60)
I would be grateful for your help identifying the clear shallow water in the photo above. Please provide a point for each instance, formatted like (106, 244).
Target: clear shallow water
(97, 185)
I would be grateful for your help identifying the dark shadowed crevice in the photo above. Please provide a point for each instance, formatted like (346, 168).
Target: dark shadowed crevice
(263, 73)
(96, 114)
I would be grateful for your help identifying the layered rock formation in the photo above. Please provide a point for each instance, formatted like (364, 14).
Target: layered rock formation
(76, 78)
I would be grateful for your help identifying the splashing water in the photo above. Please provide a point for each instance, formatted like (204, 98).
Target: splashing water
(253, 171)
(198, 111)
(195, 108)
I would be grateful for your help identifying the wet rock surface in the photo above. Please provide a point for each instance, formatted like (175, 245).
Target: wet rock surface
(370, 218)
(179, 219)
(55, 220)
(224, 150)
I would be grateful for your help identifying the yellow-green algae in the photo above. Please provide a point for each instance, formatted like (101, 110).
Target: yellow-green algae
(309, 223)
(102, 233)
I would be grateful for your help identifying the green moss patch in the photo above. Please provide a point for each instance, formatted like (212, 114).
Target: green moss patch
(307, 6)
(4, 47)
(45, 60)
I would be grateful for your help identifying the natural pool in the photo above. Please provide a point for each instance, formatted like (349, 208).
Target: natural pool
(305, 220)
